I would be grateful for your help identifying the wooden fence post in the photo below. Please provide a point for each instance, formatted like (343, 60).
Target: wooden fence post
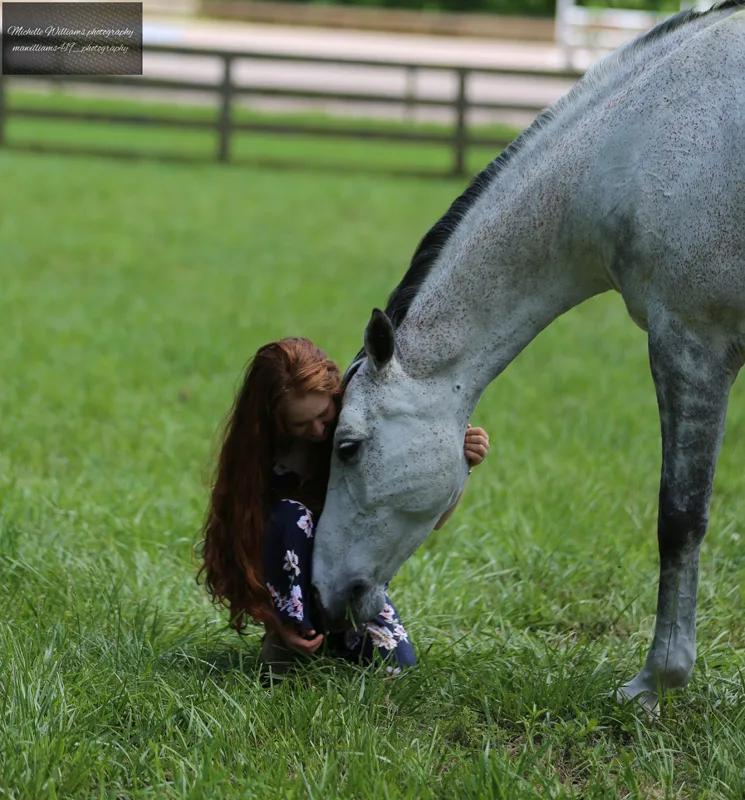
(460, 142)
(411, 83)
(225, 121)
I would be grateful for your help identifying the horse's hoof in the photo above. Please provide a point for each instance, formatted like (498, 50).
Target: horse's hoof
(647, 699)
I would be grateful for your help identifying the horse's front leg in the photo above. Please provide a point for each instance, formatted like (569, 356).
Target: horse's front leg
(692, 376)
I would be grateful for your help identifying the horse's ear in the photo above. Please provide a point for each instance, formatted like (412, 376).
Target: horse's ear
(380, 339)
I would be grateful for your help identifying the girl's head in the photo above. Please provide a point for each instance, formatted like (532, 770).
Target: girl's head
(301, 384)
(289, 392)
(309, 416)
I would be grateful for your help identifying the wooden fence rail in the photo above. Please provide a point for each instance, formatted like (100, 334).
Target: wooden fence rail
(227, 91)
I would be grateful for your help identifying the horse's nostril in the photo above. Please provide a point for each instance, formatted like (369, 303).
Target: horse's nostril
(334, 613)
(357, 591)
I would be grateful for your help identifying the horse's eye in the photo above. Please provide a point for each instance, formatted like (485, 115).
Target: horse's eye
(347, 449)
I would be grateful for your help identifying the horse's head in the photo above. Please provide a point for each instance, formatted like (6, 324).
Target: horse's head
(397, 466)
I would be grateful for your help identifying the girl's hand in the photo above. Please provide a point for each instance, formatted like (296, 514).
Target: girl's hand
(476, 446)
(298, 642)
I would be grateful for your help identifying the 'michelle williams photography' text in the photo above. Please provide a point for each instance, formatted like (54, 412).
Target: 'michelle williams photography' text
(76, 40)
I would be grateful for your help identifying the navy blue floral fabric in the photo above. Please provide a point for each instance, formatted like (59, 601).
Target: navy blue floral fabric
(287, 565)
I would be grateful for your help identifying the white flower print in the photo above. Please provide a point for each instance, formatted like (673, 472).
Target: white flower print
(280, 602)
(381, 637)
(292, 605)
(291, 564)
(296, 503)
(400, 633)
(295, 603)
(388, 613)
(393, 670)
(305, 523)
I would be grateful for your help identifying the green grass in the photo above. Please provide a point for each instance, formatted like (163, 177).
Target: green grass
(131, 296)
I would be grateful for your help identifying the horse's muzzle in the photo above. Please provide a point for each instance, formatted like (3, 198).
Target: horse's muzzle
(358, 601)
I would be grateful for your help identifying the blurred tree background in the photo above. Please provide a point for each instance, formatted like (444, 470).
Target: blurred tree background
(517, 7)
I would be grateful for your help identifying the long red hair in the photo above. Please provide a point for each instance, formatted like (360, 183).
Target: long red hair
(232, 549)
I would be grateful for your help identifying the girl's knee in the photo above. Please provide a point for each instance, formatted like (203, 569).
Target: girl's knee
(404, 656)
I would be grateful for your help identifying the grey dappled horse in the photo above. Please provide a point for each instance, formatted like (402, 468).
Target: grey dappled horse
(634, 181)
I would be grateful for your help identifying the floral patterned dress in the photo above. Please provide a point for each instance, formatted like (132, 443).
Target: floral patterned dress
(287, 565)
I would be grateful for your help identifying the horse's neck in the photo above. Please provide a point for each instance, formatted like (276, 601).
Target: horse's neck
(514, 264)
(529, 248)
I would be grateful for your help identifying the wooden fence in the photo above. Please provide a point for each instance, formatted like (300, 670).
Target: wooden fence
(226, 91)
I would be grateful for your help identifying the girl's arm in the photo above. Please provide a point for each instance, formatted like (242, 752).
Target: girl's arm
(287, 562)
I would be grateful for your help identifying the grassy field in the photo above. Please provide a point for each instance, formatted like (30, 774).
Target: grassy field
(131, 296)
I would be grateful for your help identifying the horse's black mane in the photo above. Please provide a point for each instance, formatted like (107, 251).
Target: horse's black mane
(434, 241)
(684, 17)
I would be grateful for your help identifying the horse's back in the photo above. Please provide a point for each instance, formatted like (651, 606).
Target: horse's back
(670, 177)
